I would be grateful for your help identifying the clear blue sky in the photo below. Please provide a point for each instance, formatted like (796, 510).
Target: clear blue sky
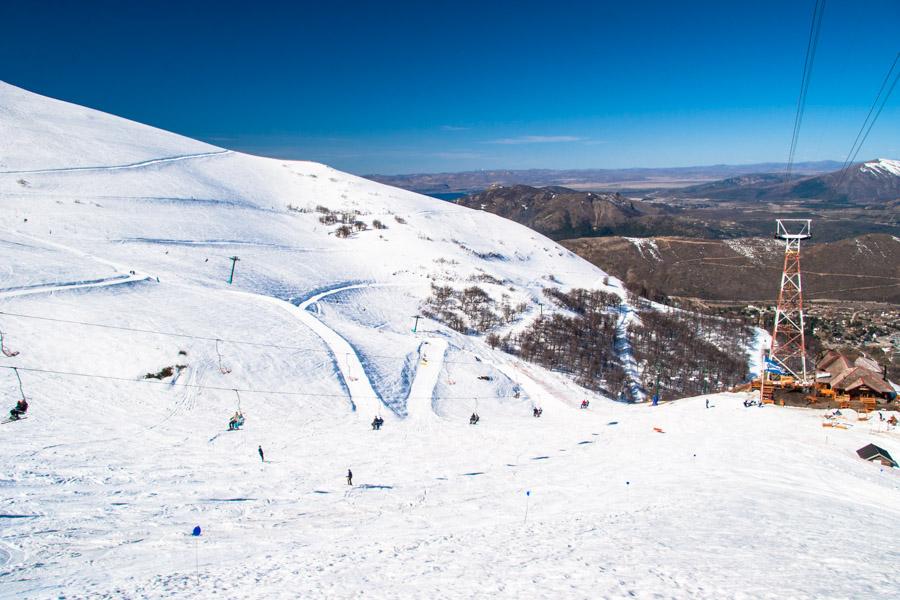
(399, 87)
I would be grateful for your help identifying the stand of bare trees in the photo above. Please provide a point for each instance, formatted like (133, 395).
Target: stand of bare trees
(471, 311)
(687, 352)
(581, 344)
(690, 353)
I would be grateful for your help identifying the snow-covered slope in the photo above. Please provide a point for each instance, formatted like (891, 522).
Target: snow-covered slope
(116, 247)
(882, 166)
(42, 133)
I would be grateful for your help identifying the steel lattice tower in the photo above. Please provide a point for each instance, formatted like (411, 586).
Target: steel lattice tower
(788, 338)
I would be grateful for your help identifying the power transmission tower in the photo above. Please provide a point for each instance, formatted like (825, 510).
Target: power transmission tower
(788, 348)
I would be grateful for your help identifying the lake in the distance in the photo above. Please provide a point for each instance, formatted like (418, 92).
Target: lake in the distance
(449, 196)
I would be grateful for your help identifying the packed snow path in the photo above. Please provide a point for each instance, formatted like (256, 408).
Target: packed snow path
(72, 285)
(431, 359)
(365, 400)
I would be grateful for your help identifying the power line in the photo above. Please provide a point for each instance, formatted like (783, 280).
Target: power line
(219, 388)
(858, 143)
(811, 46)
(203, 338)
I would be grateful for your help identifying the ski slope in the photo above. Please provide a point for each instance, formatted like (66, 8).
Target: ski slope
(117, 242)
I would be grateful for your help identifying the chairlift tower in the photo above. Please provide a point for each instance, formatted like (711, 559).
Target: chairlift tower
(788, 348)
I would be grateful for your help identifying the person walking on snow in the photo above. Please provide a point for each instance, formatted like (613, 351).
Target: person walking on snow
(262, 456)
(349, 477)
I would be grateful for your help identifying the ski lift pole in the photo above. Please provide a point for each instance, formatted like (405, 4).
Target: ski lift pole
(234, 260)
(416, 324)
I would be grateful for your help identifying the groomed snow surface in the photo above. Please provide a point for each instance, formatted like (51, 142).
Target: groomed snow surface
(116, 247)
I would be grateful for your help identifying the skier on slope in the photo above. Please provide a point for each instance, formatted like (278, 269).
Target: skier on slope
(20, 409)
(349, 477)
(262, 456)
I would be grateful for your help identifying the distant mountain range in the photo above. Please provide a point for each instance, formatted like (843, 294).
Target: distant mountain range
(705, 240)
(875, 181)
(592, 179)
(561, 213)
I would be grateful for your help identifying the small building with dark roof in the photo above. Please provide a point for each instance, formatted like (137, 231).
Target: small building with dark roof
(874, 453)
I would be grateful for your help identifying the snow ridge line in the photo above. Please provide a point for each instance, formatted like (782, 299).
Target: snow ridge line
(137, 165)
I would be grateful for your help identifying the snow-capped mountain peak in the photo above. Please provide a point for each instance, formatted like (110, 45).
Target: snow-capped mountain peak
(882, 167)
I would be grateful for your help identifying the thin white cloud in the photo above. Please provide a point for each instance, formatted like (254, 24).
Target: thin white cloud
(536, 139)
(457, 155)
(454, 128)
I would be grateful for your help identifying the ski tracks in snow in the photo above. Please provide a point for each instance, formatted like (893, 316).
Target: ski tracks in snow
(137, 165)
(72, 285)
(421, 392)
(362, 394)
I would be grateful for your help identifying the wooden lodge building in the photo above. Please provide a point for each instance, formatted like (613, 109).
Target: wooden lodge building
(862, 380)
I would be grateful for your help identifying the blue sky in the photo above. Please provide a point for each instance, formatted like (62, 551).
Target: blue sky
(400, 87)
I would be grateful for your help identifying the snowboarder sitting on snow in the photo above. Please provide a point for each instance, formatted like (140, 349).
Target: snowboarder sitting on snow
(473, 420)
(585, 404)
(21, 408)
(538, 411)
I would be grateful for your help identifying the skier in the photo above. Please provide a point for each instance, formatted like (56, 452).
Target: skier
(707, 403)
(236, 421)
(262, 456)
(473, 420)
(349, 477)
(20, 409)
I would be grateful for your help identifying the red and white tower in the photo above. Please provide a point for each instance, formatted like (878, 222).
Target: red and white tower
(788, 338)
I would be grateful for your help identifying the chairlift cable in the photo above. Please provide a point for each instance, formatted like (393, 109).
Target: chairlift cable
(21, 390)
(854, 150)
(811, 46)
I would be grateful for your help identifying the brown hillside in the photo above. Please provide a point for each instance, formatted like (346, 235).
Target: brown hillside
(748, 269)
